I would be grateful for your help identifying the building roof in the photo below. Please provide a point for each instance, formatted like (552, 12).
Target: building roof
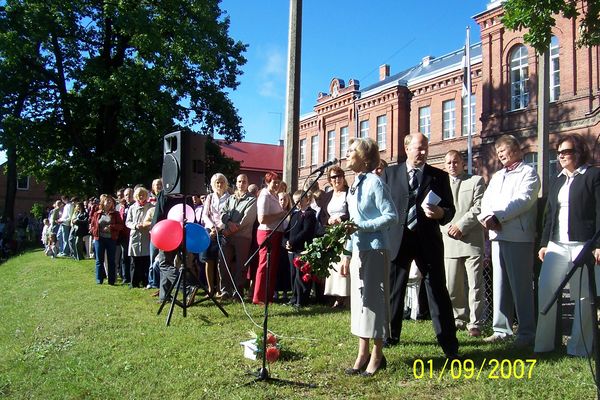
(426, 70)
(254, 156)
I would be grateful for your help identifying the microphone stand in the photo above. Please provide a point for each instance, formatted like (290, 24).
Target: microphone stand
(585, 259)
(263, 373)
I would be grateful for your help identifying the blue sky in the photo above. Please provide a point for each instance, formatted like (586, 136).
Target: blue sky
(346, 39)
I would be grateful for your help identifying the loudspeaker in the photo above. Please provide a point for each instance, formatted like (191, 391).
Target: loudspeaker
(183, 163)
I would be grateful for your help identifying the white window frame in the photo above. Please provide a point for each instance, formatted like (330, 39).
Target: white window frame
(554, 69)
(425, 121)
(381, 131)
(330, 145)
(302, 157)
(519, 78)
(314, 150)
(19, 183)
(465, 115)
(449, 119)
(343, 141)
(364, 129)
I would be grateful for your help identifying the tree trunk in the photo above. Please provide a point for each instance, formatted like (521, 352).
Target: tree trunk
(11, 181)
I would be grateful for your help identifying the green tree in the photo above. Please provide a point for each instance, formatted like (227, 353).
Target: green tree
(89, 88)
(539, 18)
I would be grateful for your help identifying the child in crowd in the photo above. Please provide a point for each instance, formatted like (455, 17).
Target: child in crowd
(301, 231)
(282, 284)
(51, 247)
(45, 232)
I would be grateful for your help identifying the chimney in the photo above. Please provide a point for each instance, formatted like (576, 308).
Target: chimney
(427, 60)
(384, 71)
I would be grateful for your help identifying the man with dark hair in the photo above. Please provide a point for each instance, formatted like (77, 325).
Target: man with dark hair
(423, 199)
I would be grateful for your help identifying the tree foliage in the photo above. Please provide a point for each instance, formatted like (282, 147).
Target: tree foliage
(89, 88)
(539, 18)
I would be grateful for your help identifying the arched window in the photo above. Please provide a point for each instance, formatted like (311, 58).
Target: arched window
(554, 70)
(519, 78)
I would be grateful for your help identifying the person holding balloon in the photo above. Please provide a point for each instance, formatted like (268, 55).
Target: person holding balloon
(269, 214)
(211, 219)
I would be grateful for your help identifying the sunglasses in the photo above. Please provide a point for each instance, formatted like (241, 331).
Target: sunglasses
(336, 176)
(566, 152)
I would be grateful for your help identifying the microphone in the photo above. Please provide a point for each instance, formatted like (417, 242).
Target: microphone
(326, 165)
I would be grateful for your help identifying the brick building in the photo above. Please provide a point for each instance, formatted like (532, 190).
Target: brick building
(29, 192)
(427, 98)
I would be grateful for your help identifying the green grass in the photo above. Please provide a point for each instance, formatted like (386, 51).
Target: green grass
(64, 337)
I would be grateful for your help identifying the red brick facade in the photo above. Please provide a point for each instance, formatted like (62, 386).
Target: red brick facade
(435, 81)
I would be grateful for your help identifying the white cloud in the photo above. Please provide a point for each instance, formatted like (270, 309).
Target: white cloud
(275, 63)
(268, 89)
(271, 77)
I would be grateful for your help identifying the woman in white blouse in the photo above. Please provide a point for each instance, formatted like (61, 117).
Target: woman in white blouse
(572, 217)
(334, 211)
(212, 214)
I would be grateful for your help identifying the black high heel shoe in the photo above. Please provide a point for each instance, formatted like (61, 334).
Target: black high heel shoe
(354, 371)
(382, 365)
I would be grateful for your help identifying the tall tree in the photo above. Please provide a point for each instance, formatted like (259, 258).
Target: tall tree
(539, 18)
(105, 80)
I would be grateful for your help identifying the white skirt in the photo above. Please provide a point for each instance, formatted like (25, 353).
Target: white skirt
(370, 294)
(336, 284)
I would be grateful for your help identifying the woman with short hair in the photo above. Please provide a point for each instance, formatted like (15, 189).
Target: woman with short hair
(212, 213)
(269, 214)
(372, 211)
(139, 237)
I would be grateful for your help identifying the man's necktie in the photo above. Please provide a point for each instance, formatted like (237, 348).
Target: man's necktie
(413, 186)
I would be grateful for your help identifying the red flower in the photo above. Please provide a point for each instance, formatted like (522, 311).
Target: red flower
(306, 268)
(306, 278)
(271, 339)
(272, 354)
(297, 262)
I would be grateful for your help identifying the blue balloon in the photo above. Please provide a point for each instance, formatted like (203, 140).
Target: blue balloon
(196, 238)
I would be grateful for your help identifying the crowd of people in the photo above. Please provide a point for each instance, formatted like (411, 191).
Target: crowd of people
(401, 215)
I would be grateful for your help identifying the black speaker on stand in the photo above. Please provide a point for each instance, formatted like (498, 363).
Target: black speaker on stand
(183, 169)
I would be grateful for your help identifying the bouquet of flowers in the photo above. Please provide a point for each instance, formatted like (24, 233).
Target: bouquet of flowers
(272, 347)
(253, 348)
(316, 260)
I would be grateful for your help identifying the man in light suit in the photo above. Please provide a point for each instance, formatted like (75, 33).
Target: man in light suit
(463, 246)
(417, 237)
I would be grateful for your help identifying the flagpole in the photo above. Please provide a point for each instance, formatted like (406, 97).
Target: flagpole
(469, 112)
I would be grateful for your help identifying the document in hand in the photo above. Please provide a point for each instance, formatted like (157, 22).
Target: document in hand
(431, 199)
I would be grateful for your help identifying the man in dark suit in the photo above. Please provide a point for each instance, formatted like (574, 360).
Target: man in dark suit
(417, 237)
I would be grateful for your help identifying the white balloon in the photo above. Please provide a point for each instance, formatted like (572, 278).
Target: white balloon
(176, 213)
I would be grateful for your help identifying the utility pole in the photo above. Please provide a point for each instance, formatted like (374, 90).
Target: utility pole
(292, 110)
(543, 122)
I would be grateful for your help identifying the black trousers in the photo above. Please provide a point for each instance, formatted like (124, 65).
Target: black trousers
(431, 266)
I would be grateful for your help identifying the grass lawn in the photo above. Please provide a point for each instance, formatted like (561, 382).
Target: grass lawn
(64, 337)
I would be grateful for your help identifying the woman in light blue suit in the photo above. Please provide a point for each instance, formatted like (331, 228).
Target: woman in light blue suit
(372, 211)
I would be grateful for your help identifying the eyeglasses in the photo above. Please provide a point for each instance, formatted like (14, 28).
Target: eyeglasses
(332, 177)
(565, 152)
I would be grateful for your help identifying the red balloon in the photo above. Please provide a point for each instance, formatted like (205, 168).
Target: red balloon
(167, 235)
